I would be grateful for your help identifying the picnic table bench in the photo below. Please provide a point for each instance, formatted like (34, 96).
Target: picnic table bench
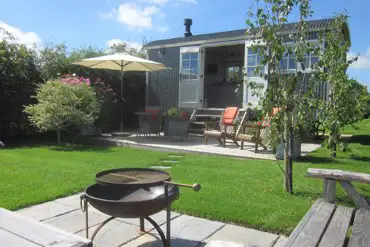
(19, 231)
(327, 224)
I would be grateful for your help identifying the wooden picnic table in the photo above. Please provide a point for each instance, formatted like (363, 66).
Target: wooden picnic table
(327, 224)
(19, 231)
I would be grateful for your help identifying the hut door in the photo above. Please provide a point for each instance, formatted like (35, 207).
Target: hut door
(190, 78)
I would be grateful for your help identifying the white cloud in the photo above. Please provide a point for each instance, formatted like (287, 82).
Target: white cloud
(163, 29)
(163, 2)
(157, 2)
(26, 38)
(363, 61)
(188, 1)
(132, 15)
(131, 44)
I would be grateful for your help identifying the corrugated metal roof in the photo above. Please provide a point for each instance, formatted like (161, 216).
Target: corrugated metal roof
(313, 24)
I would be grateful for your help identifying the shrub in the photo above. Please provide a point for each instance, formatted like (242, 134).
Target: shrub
(63, 104)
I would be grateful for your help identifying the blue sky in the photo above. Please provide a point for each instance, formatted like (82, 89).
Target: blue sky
(103, 22)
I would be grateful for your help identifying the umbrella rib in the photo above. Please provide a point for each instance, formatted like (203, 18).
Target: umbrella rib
(113, 61)
(91, 66)
(145, 67)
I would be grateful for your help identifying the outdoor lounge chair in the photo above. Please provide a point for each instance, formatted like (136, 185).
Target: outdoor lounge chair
(227, 128)
(259, 131)
(149, 121)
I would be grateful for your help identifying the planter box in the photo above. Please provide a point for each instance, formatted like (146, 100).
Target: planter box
(176, 126)
(296, 150)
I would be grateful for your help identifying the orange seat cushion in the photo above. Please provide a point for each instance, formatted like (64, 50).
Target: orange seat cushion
(229, 115)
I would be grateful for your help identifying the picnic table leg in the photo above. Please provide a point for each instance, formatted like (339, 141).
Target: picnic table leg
(329, 190)
(355, 196)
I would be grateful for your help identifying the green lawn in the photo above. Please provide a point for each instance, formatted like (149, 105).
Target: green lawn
(246, 192)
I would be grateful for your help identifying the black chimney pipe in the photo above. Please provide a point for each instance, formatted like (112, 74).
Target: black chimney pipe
(187, 22)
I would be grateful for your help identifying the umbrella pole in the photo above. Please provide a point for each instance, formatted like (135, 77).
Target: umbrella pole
(121, 124)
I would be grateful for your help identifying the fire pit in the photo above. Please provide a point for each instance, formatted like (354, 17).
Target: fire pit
(133, 193)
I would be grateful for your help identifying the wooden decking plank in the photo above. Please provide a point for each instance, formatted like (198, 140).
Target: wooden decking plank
(309, 230)
(335, 234)
(39, 233)
(360, 236)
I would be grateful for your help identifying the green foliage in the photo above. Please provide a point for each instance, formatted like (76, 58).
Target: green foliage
(348, 98)
(108, 100)
(62, 106)
(173, 111)
(284, 90)
(126, 48)
(18, 77)
(55, 60)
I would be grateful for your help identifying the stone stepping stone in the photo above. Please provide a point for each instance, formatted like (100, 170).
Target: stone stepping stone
(160, 167)
(169, 161)
(175, 156)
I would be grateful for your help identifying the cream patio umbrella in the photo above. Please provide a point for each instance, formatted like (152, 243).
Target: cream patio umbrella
(121, 62)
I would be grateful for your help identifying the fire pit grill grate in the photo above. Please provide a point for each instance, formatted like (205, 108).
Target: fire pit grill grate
(133, 177)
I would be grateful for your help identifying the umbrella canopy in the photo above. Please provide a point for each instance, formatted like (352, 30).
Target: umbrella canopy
(122, 62)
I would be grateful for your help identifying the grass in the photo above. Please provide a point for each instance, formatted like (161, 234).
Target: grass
(245, 192)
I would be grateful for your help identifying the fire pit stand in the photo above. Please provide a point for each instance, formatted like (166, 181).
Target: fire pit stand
(133, 193)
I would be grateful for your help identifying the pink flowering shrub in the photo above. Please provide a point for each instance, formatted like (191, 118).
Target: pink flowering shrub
(103, 92)
(74, 80)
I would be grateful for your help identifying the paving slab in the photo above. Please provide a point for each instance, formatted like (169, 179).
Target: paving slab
(246, 236)
(192, 228)
(227, 244)
(281, 241)
(159, 218)
(74, 221)
(72, 201)
(46, 210)
(149, 240)
(114, 233)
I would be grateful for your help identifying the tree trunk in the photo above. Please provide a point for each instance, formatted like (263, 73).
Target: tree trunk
(333, 135)
(58, 135)
(288, 185)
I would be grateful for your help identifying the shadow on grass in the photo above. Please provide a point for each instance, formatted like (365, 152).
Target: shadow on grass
(361, 139)
(80, 148)
(359, 158)
(70, 146)
(317, 160)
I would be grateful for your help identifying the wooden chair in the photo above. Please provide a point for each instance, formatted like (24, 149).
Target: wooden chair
(259, 129)
(223, 130)
(254, 138)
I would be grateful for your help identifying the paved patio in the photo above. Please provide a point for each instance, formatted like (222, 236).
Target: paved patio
(195, 144)
(186, 231)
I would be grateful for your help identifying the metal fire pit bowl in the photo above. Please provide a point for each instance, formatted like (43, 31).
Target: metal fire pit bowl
(133, 193)
(130, 202)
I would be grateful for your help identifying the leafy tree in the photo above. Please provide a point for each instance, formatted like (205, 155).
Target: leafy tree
(64, 104)
(347, 99)
(126, 48)
(18, 77)
(291, 92)
(55, 59)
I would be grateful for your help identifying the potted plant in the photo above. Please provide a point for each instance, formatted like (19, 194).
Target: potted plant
(296, 148)
(176, 123)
